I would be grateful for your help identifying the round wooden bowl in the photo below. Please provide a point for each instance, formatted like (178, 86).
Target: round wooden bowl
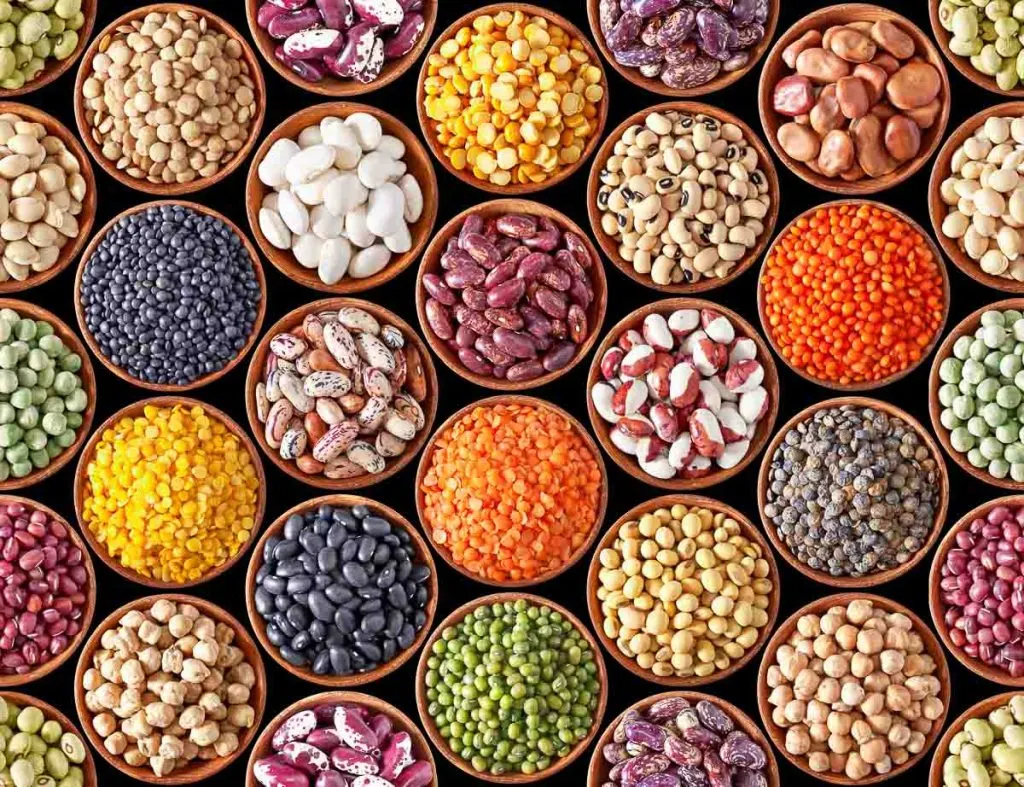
(871, 384)
(963, 64)
(416, 158)
(597, 774)
(937, 209)
(88, 765)
(774, 70)
(7, 681)
(442, 745)
(723, 80)
(938, 608)
(594, 604)
(55, 69)
(786, 629)
(205, 379)
(331, 85)
(431, 263)
(402, 723)
(258, 363)
(82, 481)
(979, 710)
(259, 625)
(965, 327)
(427, 125)
(880, 577)
(764, 426)
(424, 466)
(198, 770)
(611, 248)
(86, 374)
(88, 214)
(85, 130)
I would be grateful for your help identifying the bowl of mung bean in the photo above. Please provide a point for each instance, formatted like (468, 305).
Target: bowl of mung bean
(531, 676)
(723, 578)
(976, 733)
(864, 537)
(60, 34)
(42, 723)
(193, 137)
(493, 152)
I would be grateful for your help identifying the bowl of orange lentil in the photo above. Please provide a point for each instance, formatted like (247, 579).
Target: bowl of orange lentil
(511, 491)
(853, 295)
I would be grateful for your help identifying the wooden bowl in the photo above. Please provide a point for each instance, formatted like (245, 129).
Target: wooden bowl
(424, 466)
(938, 608)
(259, 625)
(774, 70)
(258, 363)
(432, 264)
(198, 770)
(54, 69)
(88, 214)
(85, 130)
(427, 125)
(88, 765)
(86, 374)
(82, 481)
(415, 157)
(597, 774)
(611, 248)
(8, 681)
(963, 64)
(402, 723)
(594, 605)
(880, 577)
(205, 379)
(723, 80)
(965, 327)
(979, 710)
(331, 85)
(764, 426)
(441, 744)
(937, 209)
(778, 735)
(864, 385)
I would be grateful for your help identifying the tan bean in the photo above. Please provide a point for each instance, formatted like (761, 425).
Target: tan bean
(902, 138)
(914, 85)
(852, 45)
(812, 38)
(837, 153)
(826, 115)
(821, 65)
(874, 78)
(892, 39)
(799, 142)
(867, 135)
(852, 95)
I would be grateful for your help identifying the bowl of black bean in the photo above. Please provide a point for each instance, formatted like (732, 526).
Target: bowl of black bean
(170, 295)
(341, 590)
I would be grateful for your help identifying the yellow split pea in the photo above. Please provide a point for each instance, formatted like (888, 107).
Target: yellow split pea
(171, 494)
(514, 99)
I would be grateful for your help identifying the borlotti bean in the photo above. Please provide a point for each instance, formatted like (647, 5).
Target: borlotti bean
(984, 196)
(685, 197)
(41, 195)
(341, 394)
(683, 394)
(343, 199)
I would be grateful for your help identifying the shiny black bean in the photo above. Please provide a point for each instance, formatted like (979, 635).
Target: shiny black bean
(299, 584)
(293, 658)
(327, 559)
(322, 663)
(370, 650)
(292, 527)
(361, 511)
(286, 549)
(298, 616)
(337, 535)
(376, 526)
(386, 577)
(348, 550)
(345, 620)
(355, 574)
(341, 661)
(264, 601)
(301, 641)
(275, 585)
(270, 546)
(320, 606)
(397, 597)
(275, 635)
(338, 594)
(367, 546)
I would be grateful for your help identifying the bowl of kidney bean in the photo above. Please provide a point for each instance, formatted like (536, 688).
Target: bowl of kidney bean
(976, 590)
(47, 590)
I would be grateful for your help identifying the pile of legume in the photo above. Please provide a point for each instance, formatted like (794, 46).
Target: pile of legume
(513, 99)
(981, 589)
(171, 493)
(981, 395)
(511, 491)
(41, 395)
(989, 35)
(853, 491)
(512, 687)
(38, 752)
(34, 32)
(852, 294)
(988, 750)
(683, 591)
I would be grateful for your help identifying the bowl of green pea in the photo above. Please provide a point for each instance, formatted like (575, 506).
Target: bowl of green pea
(42, 746)
(511, 688)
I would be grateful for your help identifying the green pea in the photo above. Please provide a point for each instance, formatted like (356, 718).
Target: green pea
(963, 407)
(950, 370)
(987, 389)
(949, 420)
(22, 773)
(977, 426)
(71, 362)
(8, 381)
(55, 423)
(22, 398)
(1007, 433)
(57, 26)
(961, 348)
(53, 404)
(45, 377)
(65, 382)
(35, 439)
(947, 393)
(28, 417)
(1014, 453)
(77, 401)
(38, 360)
(74, 419)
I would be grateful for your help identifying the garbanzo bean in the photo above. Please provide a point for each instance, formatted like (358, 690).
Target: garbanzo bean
(514, 99)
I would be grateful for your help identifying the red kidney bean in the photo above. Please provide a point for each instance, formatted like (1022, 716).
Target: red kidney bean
(551, 302)
(465, 274)
(558, 356)
(515, 225)
(438, 290)
(556, 278)
(488, 349)
(475, 298)
(506, 318)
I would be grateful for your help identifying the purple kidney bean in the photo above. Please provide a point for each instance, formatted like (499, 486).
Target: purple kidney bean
(643, 765)
(537, 323)
(608, 14)
(473, 361)
(549, 301)
(681, 752)
(506, 294)
(614, 753)
(625, 31)
(556, 278)
(502, 272)
(405, 37)
(267, 12)
(515, 225)
(659, 780)
(719, 774)
(439, 319)
(438, 290)
(304, 68)
(419, 774)
(506, 318)
(472, 319)
(475, 298)
(714, 718)
(558, 356)
(465, 337)
(337, 14)
(533, 265)
(466, 274)
(515, 343)
(525, 370)
(305, 757)
(324, 738)
(668, 708)
(481, 249)
(643, 732)
(488, 349)
(740, 751)
(701, 736)
(352, 762)
(330, 779)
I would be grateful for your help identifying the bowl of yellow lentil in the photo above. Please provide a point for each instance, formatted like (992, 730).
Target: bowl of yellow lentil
(169, 491)
(512, 99)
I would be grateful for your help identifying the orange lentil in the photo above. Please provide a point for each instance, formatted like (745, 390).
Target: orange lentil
(852, 294)
(511, 492)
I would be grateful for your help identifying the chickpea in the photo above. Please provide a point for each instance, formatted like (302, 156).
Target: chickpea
(861, 665)
(104, 724)
(829, 690)
(171, 747)
(897, 698)
(798, 740)
(836, 666)
(149, 632)
(241, 716)
(839, 743)
(226, 744)
(870, 642)
(839, 723)
(859, 611)
(161, 766)
(856, 768)
(135, 758)
(179, 625)
(132, 619)
(194, 671)
(163, 610)
(159, 714)
(116, 743)
(205, 734)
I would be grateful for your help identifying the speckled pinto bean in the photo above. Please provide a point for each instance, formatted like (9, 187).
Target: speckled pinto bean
(506, 284)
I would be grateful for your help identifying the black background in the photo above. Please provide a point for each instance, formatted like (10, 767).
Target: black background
(398, 295)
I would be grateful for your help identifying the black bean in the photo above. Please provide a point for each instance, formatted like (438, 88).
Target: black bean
(318, 630)
(288, 568)
(327, 559)
(286, 549)
(370, 650)
(298, 616)
(371, 605)
(282, 602)
(395, 621)
(341, 662)
(406, 636)
(299, 584)
(381, 555)
(348, 550)
(361, 511)
(420, 573)
(292, 527)
(373, 623)
(292, 657)
(284, 625)
(367, 546)
(320, 606)
(274, 584)
(311, 542)
(264, 601)
(386, 577)
(275, 635)
(355, 574)
(397, 597)
(421, 596)
(270, 546)
(376, 526)
(301, 641)
(404, 571)
(345, 620)
(322, 663)
(337, 535)
(338, 593)
(389, 648)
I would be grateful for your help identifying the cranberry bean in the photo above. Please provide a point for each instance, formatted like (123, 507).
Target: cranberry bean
(506, 294)
(440, 320)
(438, 290)
(488, 349)
(515, 343)
(466, 274)
(502, 272)
(527, 370)
(475, 298)
(474, 361)
(481, 249)
(533, 265)
(556, 278)
(465, 337)
(516, 225)
(506, 318)
(559, 356)
(551, 302)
